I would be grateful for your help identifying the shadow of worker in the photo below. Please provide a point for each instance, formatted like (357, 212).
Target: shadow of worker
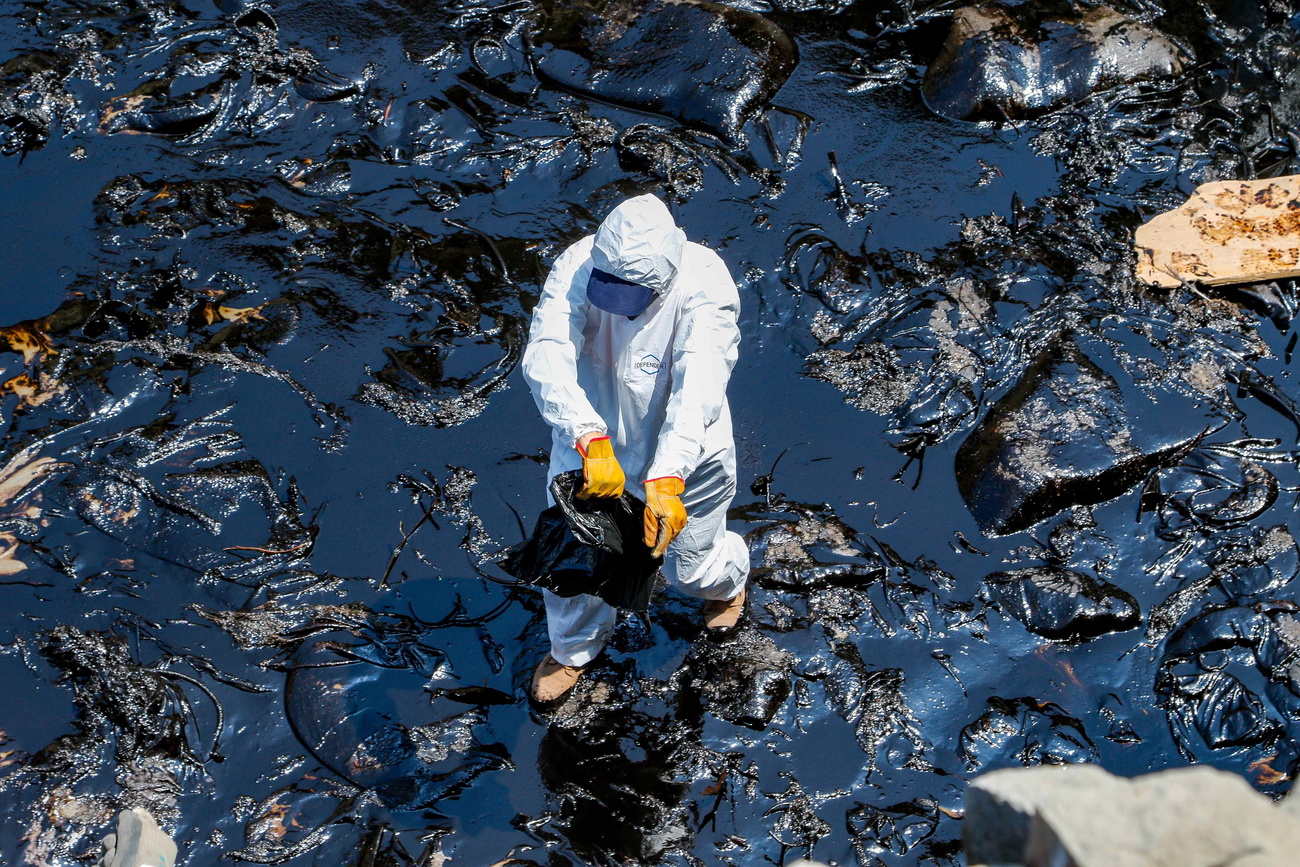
(620, 777)
(619, 762)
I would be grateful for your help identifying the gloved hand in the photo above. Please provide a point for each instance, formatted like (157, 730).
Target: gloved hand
(664, 513)
(601, 474)
(139, 842)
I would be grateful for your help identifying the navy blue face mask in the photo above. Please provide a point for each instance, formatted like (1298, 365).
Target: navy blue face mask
(618, 296)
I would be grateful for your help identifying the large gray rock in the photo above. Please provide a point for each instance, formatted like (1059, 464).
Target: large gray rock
(1291, 804)
(1081, 816)
(1000, 806)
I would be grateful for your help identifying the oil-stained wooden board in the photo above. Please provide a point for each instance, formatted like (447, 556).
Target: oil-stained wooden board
(1227, 232)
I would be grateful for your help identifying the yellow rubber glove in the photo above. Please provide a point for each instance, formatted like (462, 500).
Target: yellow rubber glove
(664, 513)
(601, 474)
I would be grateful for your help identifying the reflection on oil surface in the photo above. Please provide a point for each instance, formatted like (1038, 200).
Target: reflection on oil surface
(269, 274)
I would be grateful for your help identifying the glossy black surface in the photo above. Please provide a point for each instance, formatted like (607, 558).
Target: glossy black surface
(267, 279)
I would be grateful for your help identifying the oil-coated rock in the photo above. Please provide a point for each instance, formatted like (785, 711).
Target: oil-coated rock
(999, 64)
(707, 65)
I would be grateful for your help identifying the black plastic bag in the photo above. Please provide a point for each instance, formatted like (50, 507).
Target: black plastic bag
(594, 546)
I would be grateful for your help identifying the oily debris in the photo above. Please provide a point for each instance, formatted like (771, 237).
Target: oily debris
(1227, 232)
(263, 431)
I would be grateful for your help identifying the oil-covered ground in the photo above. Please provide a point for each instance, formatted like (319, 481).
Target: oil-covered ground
(267, 275)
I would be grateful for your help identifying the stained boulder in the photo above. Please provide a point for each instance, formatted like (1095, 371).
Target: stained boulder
(1062, 604)
(707, 65)
(1001, 63)
(1066, 434)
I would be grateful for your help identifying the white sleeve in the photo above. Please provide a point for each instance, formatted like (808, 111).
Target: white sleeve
(704, 352)
(550, 364)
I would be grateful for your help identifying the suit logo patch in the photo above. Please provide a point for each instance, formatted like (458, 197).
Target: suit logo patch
(649, 365)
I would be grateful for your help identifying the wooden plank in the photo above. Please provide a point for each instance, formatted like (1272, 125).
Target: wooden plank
(1227, 232)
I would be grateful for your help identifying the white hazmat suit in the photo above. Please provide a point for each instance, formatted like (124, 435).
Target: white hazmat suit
(655, 383)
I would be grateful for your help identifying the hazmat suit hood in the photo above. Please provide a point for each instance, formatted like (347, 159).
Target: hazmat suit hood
(639, 242)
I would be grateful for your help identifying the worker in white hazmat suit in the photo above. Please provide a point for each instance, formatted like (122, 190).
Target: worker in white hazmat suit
(631, 347)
